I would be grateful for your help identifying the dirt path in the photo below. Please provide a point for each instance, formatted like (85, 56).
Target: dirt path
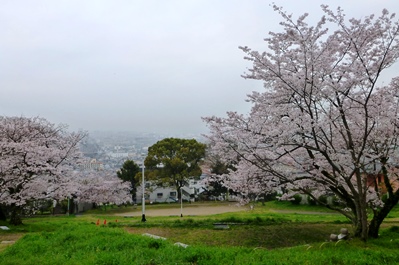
(187, 210)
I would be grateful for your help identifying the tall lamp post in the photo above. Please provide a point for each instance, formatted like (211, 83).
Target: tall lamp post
(143, 202)
(181, 201)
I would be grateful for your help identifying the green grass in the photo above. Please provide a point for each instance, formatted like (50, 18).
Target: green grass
(90, 244)
(266, 237)
(272, 234)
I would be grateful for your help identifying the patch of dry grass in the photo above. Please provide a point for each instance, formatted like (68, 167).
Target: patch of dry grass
(270, 236)
(6, 239)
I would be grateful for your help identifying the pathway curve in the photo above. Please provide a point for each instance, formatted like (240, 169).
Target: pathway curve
(187, 210)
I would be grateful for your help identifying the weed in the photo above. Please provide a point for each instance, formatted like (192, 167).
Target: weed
(154, 244)
(394, 229)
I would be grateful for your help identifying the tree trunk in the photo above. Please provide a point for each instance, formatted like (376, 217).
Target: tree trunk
(365, 227)
(3, 216)
(179, 193)
(380, 215)
(359, 229)
(15, 218)
(133, 191)
(374, 227)
(360, 218)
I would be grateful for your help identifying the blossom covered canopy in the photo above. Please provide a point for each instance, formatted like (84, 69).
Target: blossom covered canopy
(324, 123)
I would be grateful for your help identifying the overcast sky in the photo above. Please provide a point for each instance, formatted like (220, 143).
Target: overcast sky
(138, 65)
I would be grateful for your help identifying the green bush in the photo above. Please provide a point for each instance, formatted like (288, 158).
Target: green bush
(394, 229)
(270, 197)
(337, 202)
(311, 201)
(384, 198)
(297, 199)
(323, 199)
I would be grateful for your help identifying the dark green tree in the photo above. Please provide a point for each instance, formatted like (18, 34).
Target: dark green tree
(217, 168)
(172, 161)
(129, 172)
(215, 182)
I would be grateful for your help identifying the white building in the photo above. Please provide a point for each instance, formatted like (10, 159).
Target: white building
(154, 193)
(92, 164)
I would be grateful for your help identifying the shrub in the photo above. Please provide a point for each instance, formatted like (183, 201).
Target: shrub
(232, 219)
(311, 201)
(337, 202)
(323, 199)
(384, 198)
(296, 199)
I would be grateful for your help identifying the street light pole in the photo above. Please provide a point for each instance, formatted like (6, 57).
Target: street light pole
(143, 202)
(181, 201)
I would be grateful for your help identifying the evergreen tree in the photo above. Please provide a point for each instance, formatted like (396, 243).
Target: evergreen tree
(128, 172)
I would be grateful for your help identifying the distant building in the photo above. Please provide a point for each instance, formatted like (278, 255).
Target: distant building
(92, 164)
(118, 154)
(154, 193)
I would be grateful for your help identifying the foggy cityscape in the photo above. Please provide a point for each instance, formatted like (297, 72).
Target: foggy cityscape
(111, 149)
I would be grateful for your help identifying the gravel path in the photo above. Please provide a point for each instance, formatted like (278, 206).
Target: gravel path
(187, 210)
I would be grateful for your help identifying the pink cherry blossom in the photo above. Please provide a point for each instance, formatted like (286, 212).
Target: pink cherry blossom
(324, 124)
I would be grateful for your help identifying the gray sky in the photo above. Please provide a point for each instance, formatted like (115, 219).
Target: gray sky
(138, 65)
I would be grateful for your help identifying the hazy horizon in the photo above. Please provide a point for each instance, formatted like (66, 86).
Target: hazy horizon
(139, 65)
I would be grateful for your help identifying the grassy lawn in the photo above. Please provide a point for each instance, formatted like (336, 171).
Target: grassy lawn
(277, 233)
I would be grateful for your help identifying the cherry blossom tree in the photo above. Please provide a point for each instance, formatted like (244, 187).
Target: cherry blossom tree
(248, 184)
(36, 159)
(325, 123)
(101, 187)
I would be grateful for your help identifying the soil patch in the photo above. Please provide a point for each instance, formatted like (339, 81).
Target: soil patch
(8, 239)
